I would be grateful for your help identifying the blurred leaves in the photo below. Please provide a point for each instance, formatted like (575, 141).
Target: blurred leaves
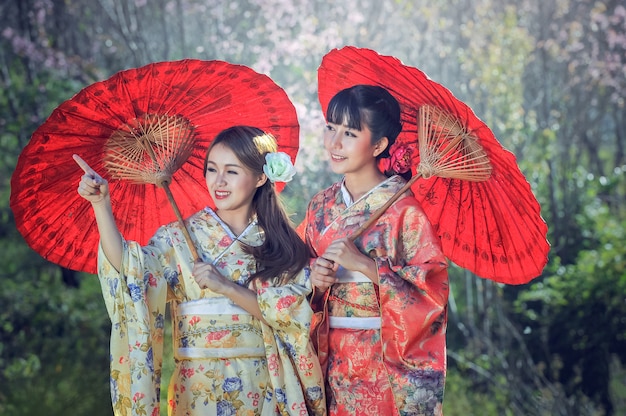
(53, 345)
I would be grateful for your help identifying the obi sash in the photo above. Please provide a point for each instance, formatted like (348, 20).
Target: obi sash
(374, 322)
(204, 328)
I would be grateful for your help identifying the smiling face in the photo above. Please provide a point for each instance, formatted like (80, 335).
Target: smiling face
(231, 185)
(351, 150)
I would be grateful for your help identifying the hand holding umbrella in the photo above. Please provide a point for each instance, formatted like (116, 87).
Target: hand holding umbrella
(471, 188)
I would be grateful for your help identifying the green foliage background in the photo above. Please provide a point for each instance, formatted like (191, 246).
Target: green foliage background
(547, 77)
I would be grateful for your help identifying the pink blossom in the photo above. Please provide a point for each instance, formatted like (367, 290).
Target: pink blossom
(400, 158)
(152, 280)
(216, 336)
(285, 302)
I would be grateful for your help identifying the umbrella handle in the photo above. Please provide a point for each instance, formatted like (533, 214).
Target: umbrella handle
(194, 252)
(375, 216)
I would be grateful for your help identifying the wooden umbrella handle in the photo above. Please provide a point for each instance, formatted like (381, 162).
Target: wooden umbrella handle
(375, 216)
(194, 252)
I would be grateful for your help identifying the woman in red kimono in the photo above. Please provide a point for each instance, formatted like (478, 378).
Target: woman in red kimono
(381, 301)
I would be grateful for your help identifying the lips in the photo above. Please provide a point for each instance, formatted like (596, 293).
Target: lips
(337, 158)
(221, 194)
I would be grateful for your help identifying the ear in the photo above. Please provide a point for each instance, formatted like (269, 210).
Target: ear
(380, 146)
(262, 180)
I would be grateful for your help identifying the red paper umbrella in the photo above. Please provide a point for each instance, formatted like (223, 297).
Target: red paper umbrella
(471, 188)
(185, 103)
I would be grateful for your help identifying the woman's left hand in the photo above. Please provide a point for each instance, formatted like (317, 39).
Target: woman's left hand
(346, 254)
(208, 277)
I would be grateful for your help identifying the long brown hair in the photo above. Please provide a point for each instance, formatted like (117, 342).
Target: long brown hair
(282, 253)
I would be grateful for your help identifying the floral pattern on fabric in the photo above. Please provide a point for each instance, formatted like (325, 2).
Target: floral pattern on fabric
(226, 363)
(398, 369)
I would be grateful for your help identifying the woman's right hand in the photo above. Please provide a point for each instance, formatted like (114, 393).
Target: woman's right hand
(93, 187)
(323, 273)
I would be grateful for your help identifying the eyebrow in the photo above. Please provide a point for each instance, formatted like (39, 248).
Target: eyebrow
(210, 162)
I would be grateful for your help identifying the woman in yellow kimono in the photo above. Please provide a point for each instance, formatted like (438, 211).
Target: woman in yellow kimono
(382, 299)
(240, 314)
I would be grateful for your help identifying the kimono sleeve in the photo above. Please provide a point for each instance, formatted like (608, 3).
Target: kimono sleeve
(412, 253)
(301, 228)
(413, 291)
(294, 369)
(135, 299)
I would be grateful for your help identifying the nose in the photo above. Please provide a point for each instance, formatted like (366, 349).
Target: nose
(334, 139)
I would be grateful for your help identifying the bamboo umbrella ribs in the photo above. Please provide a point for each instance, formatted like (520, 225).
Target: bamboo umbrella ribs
(142, 129)
(468, 184)
(446, 150)
(150, 151)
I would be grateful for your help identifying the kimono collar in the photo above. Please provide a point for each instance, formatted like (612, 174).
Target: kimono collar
(347, 198)
(229, 232)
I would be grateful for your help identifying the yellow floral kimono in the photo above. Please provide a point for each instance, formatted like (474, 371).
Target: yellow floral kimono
(227, 361)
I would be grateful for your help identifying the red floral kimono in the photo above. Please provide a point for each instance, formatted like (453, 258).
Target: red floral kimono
(383, 347)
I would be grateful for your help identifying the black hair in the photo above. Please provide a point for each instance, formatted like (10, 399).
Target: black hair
(368, 105)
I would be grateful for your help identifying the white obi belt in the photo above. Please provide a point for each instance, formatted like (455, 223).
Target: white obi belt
(345, 322)
(215, 306)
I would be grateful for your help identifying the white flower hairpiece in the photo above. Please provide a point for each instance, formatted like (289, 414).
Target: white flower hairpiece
(278, 167)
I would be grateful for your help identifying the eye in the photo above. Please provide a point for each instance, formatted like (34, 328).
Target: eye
(329, 127)
(232, 172)
(210, 169)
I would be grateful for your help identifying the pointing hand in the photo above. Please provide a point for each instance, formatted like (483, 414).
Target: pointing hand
(93, 187)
